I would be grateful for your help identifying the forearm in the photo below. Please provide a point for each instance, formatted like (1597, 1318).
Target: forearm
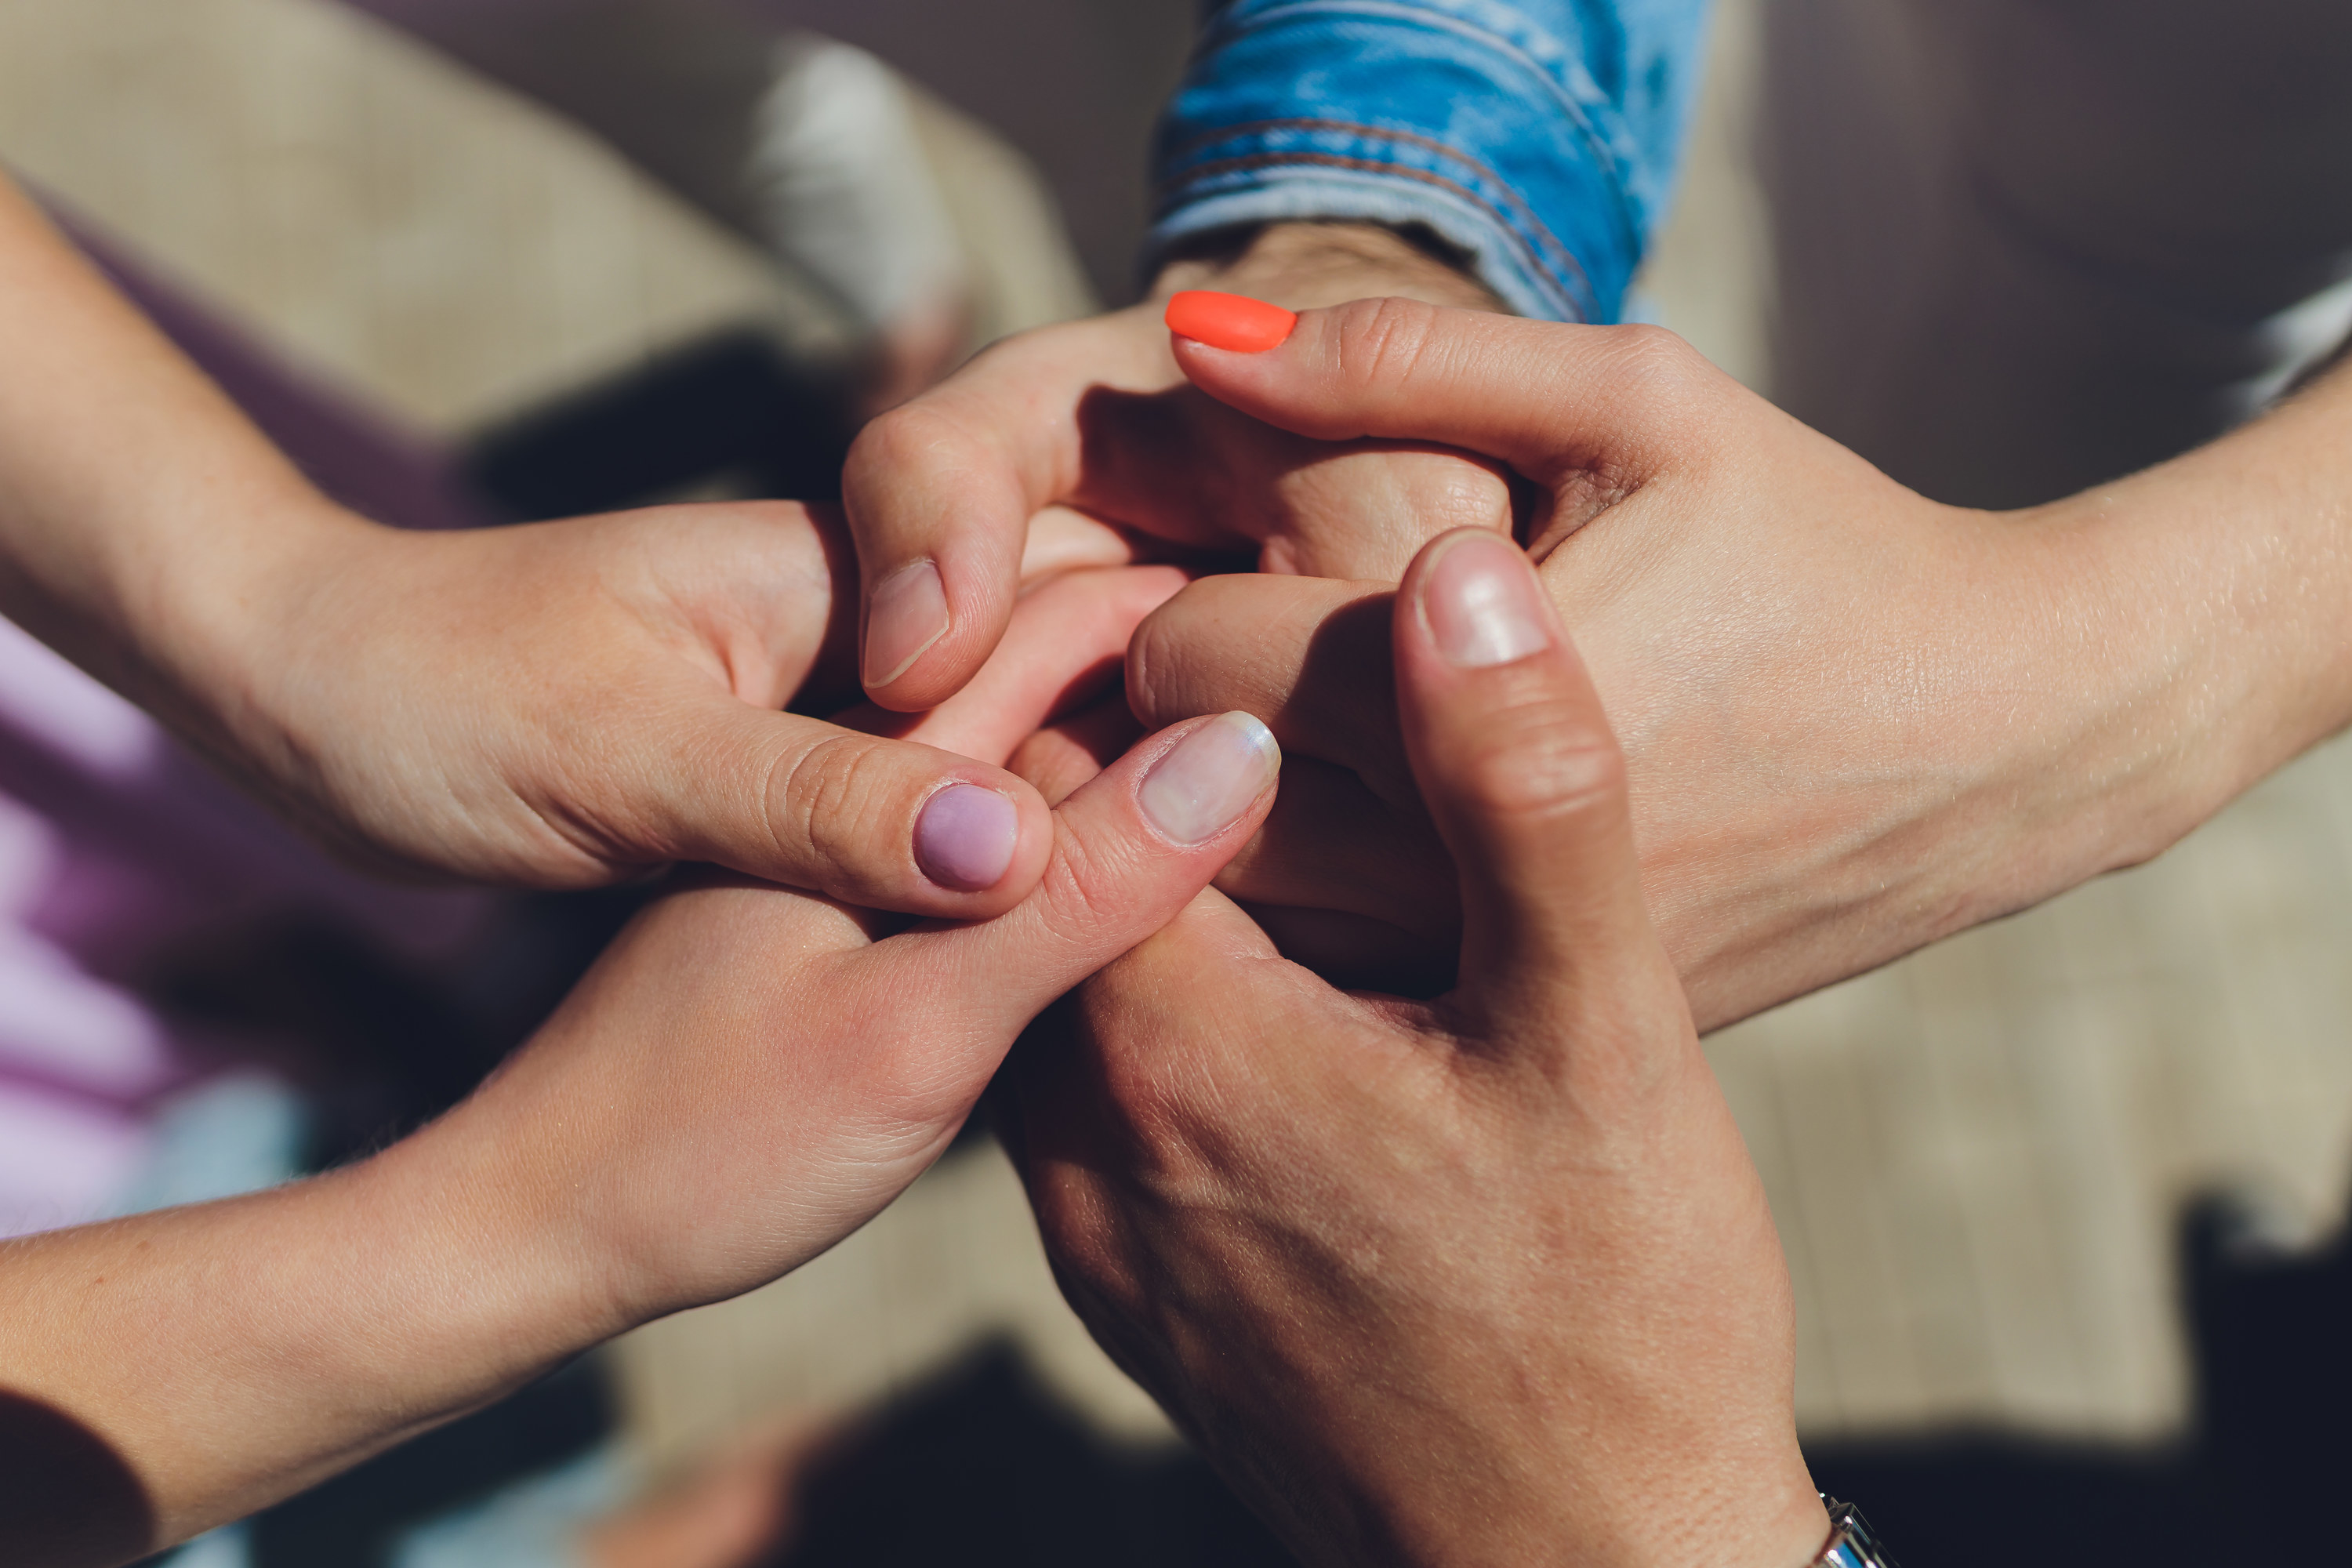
(141, 517)
(218, 1358)
(2228, 599)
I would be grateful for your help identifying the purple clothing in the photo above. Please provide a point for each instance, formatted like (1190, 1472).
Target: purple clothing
(114, 842)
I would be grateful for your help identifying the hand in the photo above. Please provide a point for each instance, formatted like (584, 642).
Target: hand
(941, 493)
(1856, 721)
(745, 1076)
(888, 1033)
(1486, 1279)
(572, 703)
(561, 705)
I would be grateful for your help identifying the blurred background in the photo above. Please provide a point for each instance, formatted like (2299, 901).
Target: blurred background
(2057, 1194)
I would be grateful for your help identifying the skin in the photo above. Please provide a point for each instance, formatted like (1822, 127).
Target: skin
(560, 705)
(1093, 424)
(1856, 721)
(1448, 1281)
(1486, 1278)
(747, 1076)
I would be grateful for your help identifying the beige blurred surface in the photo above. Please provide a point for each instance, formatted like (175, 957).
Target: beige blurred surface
(1974, 1155)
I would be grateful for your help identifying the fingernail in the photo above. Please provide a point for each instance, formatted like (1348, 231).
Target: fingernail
(1211, 778)
(1232, 321)
(966, 836)
(1481, 605)
(909, 614)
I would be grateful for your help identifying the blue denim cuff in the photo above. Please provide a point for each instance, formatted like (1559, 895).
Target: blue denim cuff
(1539, 137)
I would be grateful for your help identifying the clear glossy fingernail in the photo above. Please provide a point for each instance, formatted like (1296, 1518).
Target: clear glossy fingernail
(1483, 606)
(1211, 778)
(966, 836)
(908, 615)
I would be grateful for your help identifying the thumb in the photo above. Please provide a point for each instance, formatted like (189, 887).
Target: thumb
(1131, 848)
(878, 823)
(1608, 405)
(1517, 762)
(919, 821)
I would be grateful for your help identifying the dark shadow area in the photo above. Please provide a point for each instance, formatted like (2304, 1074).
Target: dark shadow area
(66, 1494)
(353, 1520)
(979, 1466)
(1347, 785)
(1143, 467)
(731, 409)
(380, 1046)
(2272, 1335)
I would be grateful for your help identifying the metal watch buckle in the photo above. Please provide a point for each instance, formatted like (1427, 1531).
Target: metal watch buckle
(1850, 1543)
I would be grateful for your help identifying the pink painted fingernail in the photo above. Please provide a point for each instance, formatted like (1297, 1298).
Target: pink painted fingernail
(1211, 778)
(966, 836)
(908, 614)
(1481, 603)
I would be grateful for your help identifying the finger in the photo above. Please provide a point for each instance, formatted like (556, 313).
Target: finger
(1526, 783)
(1062, 540)
(919, 821)
(1329, 844)
(1131, 848)
(1181, 467)
(940, 493)
(1603, 407)
(876, 822)
(1062, 757)
(1306, 655)
(1063, 650)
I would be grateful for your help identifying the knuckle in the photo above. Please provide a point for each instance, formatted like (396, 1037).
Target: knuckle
(910, 436)
(1657, 367)
(1087, 891)
(828, 805)
(1157, 658)
(1149, 653)
(1542, 762)
(1178, 660)
(1384, 342)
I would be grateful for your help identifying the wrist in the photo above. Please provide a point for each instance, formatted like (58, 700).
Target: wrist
(211, 639)
(2222, 585)
(1625, 1498)
(381, 1294)
(1305, 266)
(495, 1198)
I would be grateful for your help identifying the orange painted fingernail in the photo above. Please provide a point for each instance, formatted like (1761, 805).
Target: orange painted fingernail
(1229, 321)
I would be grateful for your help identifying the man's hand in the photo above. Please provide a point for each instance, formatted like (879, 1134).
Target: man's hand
(1486, 1280)
(1094, 419)
(1856, 721)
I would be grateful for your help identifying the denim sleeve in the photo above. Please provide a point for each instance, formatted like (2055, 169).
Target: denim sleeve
(1540, 137)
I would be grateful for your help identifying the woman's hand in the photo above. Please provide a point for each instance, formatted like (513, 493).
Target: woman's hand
(735, 1032)
(1856, 721)
(1486, 1280)
(1093, 421)
(745, 1077)
(576, 702)
(558, 705)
